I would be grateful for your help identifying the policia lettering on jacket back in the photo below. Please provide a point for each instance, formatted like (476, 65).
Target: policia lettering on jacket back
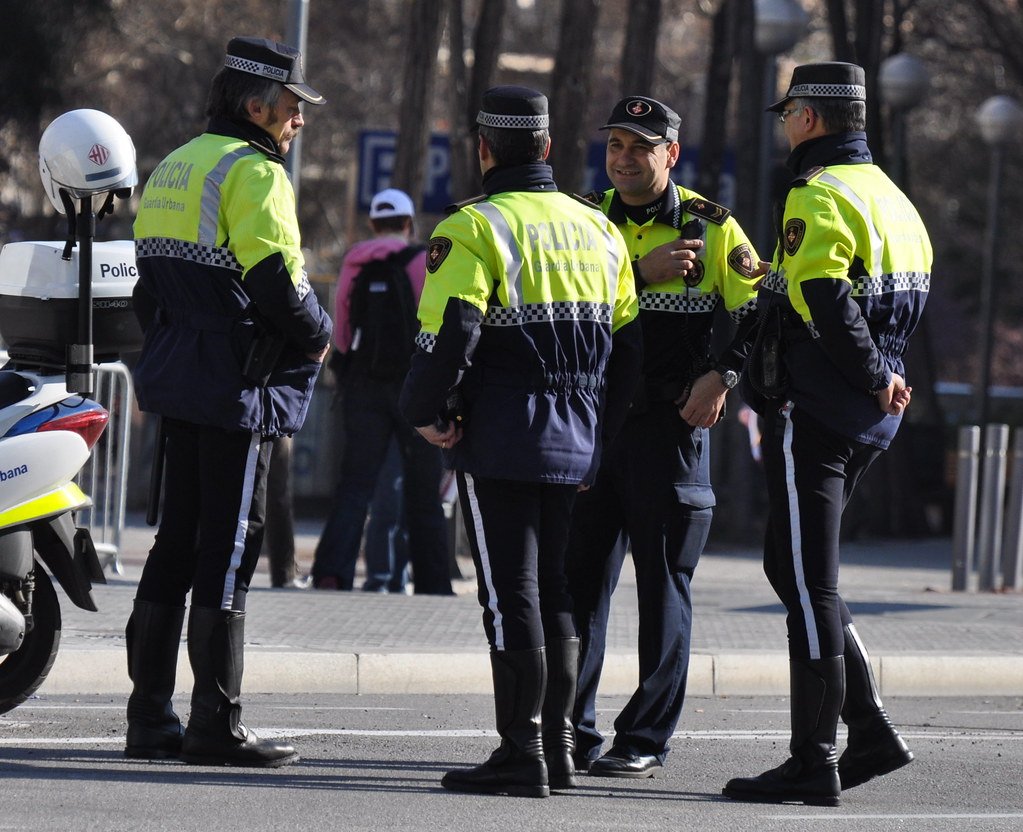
(528, 334)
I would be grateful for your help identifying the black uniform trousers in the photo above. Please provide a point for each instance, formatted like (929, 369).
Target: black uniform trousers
(517, 532)
(652, 491)
(211, 529)
(811, 473)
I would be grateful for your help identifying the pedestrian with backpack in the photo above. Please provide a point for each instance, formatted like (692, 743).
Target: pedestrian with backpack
(375, 327)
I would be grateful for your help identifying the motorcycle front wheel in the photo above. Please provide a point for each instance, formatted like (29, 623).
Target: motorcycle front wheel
(23, 671)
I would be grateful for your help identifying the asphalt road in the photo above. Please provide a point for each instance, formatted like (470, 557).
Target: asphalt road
(374, 763)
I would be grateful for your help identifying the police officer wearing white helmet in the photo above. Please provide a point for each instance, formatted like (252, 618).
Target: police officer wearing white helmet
(234, 341)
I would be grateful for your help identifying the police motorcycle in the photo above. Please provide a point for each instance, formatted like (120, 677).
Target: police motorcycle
(60, 302)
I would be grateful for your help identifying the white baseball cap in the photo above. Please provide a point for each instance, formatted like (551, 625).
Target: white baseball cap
(391, 203)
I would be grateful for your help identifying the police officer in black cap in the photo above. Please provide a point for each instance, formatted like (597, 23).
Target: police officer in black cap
(846, 288)
(234, 342)
(653, 490)
(526, 361)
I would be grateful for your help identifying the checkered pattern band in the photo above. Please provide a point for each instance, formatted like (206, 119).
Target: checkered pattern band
(676, 302)
(562, 310)
(504, 122)
(748, 308)
(863, 287)
(275, 73)
(219, 258)
(425, 341)
(828, 91)
(776, 282)
(812, 329)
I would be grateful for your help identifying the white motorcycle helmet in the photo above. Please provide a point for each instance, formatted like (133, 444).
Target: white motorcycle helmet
(86, 152)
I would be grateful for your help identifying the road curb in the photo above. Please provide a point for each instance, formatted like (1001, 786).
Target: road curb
(103, 671)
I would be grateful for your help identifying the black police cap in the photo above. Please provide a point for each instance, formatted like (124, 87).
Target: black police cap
(827, 79)
(514, 108)
(645, 117)
(273, 60)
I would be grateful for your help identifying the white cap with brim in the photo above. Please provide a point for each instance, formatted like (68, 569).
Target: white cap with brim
(391, 203)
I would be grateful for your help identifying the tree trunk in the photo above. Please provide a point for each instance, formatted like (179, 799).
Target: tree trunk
(719, 82)
(747, 140)
(570, 90)
(640, 47)
(486, 49)
(414, 115)
(869, 31)
(838, 22)
(458, 132)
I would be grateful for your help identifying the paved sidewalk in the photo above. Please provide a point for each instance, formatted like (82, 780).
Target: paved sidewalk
(924, 639)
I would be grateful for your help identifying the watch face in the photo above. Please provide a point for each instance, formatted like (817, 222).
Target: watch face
(730, 378)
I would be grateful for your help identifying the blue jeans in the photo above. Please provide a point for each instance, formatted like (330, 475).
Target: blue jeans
(386, 549)
(371, 420)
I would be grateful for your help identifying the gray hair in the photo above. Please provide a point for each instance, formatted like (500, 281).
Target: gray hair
(231, 91)
(840, 115)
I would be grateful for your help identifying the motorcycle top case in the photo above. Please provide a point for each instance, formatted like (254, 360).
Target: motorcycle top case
(39, 301)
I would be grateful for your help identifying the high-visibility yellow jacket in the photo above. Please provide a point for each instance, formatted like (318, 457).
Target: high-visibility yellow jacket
(222, 284)
(678, 318)
(851, 274)
(526, 291)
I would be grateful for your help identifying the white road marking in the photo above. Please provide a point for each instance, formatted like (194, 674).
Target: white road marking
(443, 733)
(934, 816)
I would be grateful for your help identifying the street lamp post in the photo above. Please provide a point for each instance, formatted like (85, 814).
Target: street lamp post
(903, 82)
(778, 26)
(999, 119)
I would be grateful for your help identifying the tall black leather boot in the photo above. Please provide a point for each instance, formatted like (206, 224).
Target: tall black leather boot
(517, 767)
(215, 735)
(153, 636)
(875, 747)
(810, 775)
(558, 731)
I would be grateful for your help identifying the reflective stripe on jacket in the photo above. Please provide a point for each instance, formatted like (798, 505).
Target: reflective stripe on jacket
(219, 256)
(852, 271)
(524, 294)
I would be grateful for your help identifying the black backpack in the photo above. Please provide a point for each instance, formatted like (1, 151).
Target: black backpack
(382, 316)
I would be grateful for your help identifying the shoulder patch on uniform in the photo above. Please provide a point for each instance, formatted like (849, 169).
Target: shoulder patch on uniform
(458, 206)
(807, 176)
(591, 200)
(705, 209)
(436, 251)
(740, 258)
(795, 228)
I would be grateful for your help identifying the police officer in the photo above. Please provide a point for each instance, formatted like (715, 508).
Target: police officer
(234, 342)
(653, 488)
(527, 354)
(846, 289)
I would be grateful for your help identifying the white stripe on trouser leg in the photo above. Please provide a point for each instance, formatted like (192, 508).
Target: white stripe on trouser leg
(488, 575)
(241, 528)
(796, 536)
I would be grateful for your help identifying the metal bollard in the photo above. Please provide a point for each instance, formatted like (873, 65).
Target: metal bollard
(1012, 540)
(992, 507)
(964, 537)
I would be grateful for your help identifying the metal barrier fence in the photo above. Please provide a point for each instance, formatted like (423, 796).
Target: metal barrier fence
(105, 476)
(988, 527)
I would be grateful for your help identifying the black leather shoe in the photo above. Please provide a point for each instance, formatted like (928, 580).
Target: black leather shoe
(623, 764)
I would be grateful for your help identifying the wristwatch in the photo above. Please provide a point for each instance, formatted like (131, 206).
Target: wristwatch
(729, 378)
